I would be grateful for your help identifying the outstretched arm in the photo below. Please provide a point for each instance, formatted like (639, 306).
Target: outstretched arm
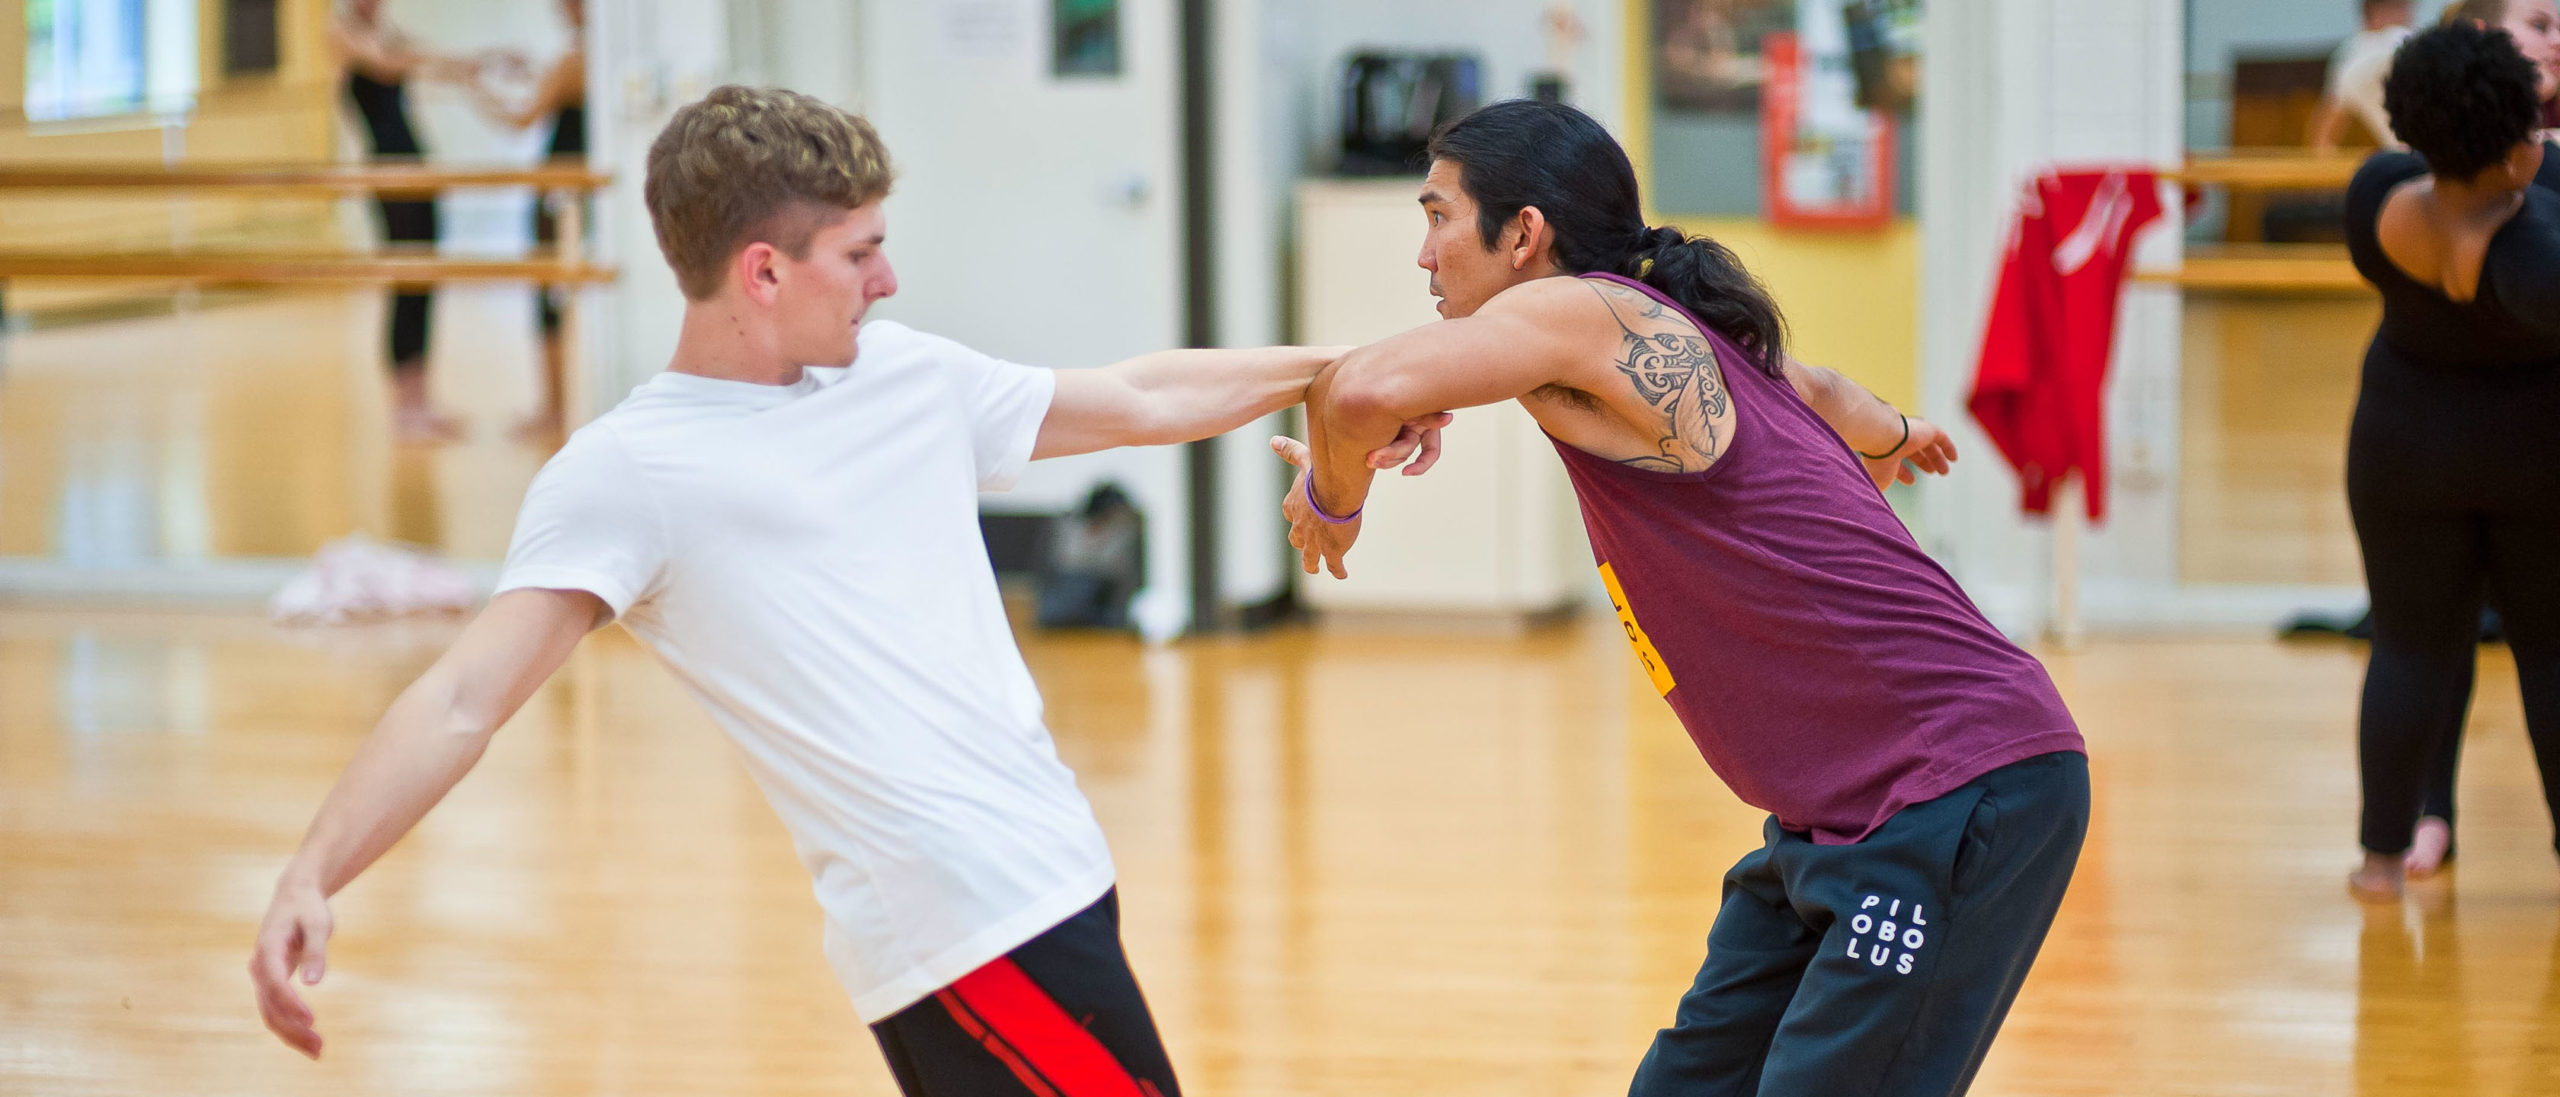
(1515, 344)
(1186, 395)
(388, 56)
(1883, 438)
(2328, 126)
(376, 54)
(1173, 396)
(428, 739)
(564, 83)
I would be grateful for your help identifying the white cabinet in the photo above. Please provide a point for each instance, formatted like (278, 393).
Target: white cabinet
(1492, 531)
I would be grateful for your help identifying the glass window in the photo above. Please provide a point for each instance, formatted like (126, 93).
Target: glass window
(91, 58)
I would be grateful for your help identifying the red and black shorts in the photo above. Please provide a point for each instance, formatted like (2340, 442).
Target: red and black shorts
(1060, 1016)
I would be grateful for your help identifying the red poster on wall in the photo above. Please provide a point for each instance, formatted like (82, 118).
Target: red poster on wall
(1825, 163)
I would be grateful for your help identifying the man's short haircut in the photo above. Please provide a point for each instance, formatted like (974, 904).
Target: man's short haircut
(755, 164)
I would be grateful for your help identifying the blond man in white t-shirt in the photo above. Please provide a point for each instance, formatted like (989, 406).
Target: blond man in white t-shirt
(787, 517)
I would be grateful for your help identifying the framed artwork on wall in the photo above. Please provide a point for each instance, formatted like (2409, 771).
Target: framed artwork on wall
(1084, 38)
(1791, 110)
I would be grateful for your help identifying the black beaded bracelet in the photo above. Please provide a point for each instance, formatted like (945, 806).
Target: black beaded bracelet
(1896, 447)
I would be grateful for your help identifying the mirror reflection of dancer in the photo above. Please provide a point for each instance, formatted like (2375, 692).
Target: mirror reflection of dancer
(379, 60)
(560, 98)
(1926, 787)
(2356, 69)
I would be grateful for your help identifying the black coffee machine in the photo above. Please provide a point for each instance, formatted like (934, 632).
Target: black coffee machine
(1392, 101)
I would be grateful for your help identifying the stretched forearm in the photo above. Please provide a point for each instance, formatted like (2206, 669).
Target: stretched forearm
(1187, 395)
(1344, 424)
(1861, 418)
(420, 750)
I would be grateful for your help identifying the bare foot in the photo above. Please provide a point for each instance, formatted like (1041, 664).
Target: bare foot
(2430, 848)
(424, 427)
(2379, 880)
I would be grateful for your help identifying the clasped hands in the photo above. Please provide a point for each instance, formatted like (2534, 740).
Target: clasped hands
(1322, 542)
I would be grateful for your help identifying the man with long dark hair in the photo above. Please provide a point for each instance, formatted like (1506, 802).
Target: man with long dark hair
(1927, 788)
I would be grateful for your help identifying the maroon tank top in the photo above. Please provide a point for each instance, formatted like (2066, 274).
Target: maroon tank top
(1829, 670)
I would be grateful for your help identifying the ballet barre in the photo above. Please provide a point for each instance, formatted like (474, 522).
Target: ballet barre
(2267, 169)
(286, 268)
(2263, 268)
(564, 263)
(390, 178)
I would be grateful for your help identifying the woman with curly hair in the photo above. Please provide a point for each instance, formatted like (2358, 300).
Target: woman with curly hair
(2452, 492)
(2535, 26)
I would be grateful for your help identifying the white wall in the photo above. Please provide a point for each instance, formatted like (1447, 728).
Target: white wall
(808, 46)
(645, 58)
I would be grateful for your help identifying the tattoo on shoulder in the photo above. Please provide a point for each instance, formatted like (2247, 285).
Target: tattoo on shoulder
(1674, 372)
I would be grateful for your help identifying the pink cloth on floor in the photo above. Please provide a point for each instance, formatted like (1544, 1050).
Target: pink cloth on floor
(356, 578)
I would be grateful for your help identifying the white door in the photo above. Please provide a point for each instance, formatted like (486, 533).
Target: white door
(1036, 218)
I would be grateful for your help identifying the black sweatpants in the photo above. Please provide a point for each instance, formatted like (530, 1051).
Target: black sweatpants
(2454, 503)
(384, 107)
(1060, 1016)
(408, 221)
(1879, 969)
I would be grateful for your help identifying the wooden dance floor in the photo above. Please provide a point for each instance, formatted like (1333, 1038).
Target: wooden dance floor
(1350, 864)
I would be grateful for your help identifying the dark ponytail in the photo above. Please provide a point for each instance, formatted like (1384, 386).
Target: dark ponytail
(1709, 280)
(1520, 153)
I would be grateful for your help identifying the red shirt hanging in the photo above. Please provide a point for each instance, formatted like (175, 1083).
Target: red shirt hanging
(2039, 391)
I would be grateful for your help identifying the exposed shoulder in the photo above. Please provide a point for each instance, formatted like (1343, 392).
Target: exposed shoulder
(1564, 322)
(1601, 305)
(1559, 300)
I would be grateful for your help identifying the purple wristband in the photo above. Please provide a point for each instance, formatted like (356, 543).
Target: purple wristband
(1319, 507)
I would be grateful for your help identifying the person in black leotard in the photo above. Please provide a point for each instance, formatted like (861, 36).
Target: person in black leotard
(2535, 27)
(561, 96)
(2452, 492)
(379, 61)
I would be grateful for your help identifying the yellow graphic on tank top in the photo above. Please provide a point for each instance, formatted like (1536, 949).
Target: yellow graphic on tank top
(1652, 660)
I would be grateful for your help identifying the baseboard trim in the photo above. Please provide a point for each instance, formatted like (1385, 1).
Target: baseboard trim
(222, 585)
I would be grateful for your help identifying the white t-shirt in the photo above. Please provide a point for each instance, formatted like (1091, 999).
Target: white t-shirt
(806, 558)
(2356, 73)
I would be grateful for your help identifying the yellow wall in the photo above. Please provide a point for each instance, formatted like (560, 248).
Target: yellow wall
(1852, 299)
(290, 117)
